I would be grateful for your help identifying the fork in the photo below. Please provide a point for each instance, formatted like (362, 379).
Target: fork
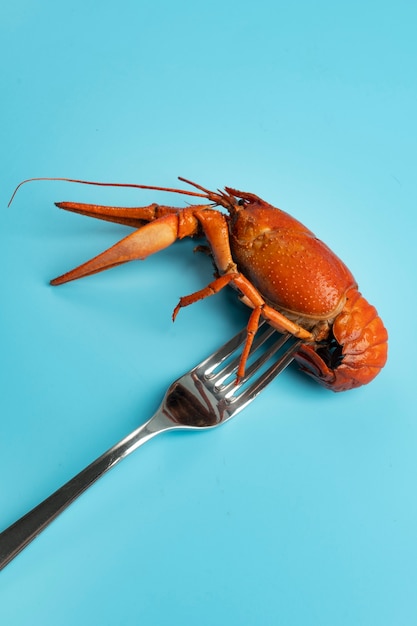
(203, 398)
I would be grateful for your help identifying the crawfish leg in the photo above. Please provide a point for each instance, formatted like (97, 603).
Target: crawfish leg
(253, 298)
(151, 238)
(216, 231)
(215, 228)
(260, 309)
(277, 319)
(210, 290)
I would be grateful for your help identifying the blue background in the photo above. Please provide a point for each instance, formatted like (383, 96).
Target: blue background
(302, 510)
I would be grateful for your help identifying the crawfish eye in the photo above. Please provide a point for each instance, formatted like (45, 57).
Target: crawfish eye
(331, 352)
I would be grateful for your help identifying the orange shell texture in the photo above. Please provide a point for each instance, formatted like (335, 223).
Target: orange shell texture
(294, 271)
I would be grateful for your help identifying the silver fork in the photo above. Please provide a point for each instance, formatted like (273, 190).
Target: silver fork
(203, 398)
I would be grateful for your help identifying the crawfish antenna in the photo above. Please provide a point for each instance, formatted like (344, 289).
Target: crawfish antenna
(127, 185)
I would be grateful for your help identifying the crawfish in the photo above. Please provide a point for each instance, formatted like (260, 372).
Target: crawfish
(279, 268)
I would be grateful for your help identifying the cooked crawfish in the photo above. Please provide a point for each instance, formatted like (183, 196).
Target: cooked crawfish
(277, 266)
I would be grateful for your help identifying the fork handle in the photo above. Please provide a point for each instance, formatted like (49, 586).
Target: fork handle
(24, 530)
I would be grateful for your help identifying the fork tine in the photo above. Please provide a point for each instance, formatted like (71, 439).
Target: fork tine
(260, 382)
(232, 367)
(227, 351)
(218, 357)
(263, 358)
